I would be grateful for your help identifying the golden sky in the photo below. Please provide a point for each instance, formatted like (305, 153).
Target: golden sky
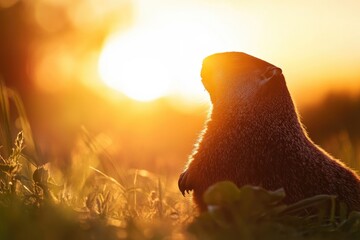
(316, 43)
(154, 48)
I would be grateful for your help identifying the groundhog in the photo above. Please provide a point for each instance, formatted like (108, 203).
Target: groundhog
(253, 136)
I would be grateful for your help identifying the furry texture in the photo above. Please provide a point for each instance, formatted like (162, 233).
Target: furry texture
(254, 136)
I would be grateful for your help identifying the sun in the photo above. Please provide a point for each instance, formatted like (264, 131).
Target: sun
(130, 67)
(158, 59)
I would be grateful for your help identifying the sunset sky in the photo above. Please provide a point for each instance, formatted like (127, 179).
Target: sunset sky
(148, 49)
(316, 43)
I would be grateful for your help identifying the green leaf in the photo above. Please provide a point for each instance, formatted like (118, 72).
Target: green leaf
(222, 193)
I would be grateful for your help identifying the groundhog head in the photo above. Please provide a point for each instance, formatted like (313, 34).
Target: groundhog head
(236, 75)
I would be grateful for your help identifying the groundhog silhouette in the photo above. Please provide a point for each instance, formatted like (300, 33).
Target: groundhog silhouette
(253, 136)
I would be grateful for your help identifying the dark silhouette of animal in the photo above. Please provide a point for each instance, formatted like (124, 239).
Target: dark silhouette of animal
(254, 137)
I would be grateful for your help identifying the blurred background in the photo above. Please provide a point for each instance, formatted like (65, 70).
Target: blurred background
(127, 71)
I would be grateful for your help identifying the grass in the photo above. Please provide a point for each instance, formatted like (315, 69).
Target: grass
(92, 201)
(38, 201)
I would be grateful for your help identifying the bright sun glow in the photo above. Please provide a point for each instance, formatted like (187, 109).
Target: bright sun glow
(131, 68)
(159, 58)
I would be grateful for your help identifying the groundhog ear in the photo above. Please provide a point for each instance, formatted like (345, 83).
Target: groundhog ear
(269, 74)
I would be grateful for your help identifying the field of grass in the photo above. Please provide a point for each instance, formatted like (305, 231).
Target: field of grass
(90, 200)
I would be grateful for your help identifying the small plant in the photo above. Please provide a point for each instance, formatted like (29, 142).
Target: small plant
(10, 168)
(254, 213)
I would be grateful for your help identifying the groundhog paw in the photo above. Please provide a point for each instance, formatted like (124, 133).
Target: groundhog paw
(184, 183)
